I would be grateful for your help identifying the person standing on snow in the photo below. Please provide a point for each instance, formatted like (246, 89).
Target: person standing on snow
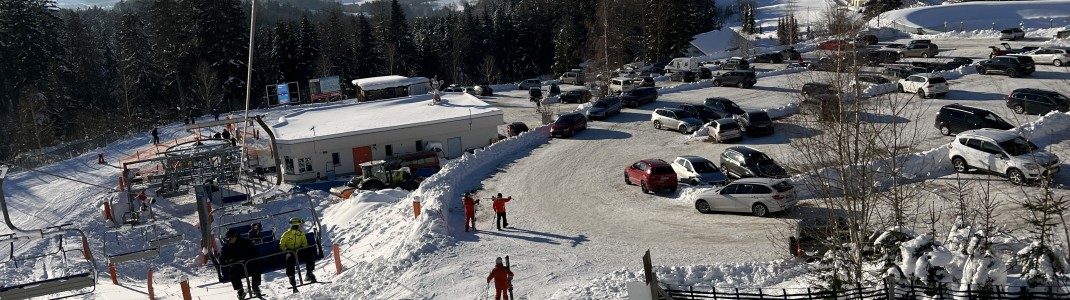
(469, 212)
(155, 136)
(499, 211)
(502, 276)
(293, 240)
(236, 251)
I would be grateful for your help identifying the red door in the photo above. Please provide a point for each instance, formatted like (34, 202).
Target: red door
(361, 154)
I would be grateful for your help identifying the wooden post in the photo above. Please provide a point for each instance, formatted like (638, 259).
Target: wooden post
(337, 260)
(185, 290)
(152, 295)
(111, 270)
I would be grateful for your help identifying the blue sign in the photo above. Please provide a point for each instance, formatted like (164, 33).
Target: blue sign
(283, 90)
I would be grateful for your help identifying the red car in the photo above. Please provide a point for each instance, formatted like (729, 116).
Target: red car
(568, 124)
(651, 175)
(835, 45)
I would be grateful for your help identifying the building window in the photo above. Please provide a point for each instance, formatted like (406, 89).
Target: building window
(418, 146)
(288, 163)
(335, 159)
(389, 150)
(304, 165)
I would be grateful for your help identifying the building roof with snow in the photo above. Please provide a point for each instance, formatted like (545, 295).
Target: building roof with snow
(715, 41)
(366, 117)
(381, 82)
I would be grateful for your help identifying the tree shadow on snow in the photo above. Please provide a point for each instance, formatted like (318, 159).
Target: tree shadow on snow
(881, 118)
(591, 134)
(627, 117)
(974, 96)
(535, 236)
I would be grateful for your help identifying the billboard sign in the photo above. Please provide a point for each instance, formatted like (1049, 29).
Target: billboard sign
(325, 88)
(283, 90)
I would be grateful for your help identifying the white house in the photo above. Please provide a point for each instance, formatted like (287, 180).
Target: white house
(338, 138)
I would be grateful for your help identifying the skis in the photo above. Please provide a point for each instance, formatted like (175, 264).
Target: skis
(507, 267)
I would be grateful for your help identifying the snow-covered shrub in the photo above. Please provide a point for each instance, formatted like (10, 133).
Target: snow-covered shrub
(925, 261)
(1040, 263)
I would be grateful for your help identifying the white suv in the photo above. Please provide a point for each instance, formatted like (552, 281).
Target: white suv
(925, 85)
(1003, 152)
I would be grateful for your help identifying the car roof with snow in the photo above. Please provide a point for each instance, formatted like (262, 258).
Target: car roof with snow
(693, 158)
(994, 134)
(759, 180)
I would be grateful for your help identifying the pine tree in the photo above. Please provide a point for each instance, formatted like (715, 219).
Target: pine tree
(29, 31)
(220, 28)
(137, 76)
(873, 8)
(284, 51)
(366, 49)
(397, 42)
(173, 44)
(337, 49)
(749, 26)
(308, 50)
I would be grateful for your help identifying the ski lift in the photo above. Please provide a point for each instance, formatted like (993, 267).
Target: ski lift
(272, 223)
(76, 272)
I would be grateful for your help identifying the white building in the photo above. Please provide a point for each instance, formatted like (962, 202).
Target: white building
(337, 138)
(393, 86)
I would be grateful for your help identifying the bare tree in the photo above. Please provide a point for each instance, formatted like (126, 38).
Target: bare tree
(206, 85)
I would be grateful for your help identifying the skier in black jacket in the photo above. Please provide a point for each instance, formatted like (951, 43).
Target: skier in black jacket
(236, 250)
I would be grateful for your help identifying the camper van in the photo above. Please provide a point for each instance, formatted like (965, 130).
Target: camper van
(682, 64)
(620, 85)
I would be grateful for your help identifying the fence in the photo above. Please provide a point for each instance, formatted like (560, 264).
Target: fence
(872, 292)
(40, 157)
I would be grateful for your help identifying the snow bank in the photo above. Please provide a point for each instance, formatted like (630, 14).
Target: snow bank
(981, 15)
(880, 89)
(705, 83)
(382, 228)
(729, 275)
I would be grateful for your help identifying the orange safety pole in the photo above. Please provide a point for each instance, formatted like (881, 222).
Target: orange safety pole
(152, 295)
(122, 183)
(416, 208)
(337, 260)
(85, 249)
(185, 290)
(107, 211)
(111, 270)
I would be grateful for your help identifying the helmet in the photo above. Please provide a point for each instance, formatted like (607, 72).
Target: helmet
(296, 221)
(498, 260)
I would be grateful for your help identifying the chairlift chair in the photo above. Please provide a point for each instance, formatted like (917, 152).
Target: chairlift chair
(269, 256)
(81, 282)
(148, 237)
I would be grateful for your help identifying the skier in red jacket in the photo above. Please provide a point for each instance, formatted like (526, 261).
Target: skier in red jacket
(469, 212)
(499, 211)
(502, 277)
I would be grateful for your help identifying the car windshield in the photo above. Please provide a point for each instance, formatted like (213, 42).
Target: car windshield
(662, 170)
(731, 125)
(729, 104)
(600, 104)
(1060, 98)
(937, 80)
(783, 186)
(705, 166)
(993, 118)
(759, 159)
(683, 115)
(1018, 146)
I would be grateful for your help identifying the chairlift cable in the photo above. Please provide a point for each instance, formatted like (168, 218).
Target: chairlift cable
(110, 189)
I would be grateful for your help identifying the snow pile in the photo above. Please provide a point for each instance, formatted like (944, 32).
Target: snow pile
(705, 83)
(779, 72)
(396, 240)
(728, 275)
(783, 111)
(880, 89)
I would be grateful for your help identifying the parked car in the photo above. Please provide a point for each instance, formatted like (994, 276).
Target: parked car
(568, 124)
(919, 50)
(534, 94)
(453, 88)
(576, 96)
(895, 47)
(867, 39)
(605, 107)
(743, 161)
(527, 84)
(1002, 152)
(620, 85)
(674, 119)
(955, 118)
(696, 170)
(484, 90)
(901, 71)
(739, 78)
(918, 42)
(790, 54)
(639, 96)
(572, 77)
(774, 58)
(1013, 33)
(811, 89)
(871, 79)
(1050, 55)
(758, 196)
(704, 73)
(651, 175)
(876, 58)
(515, 128)
(756, 123)
(701, 112)
(646, 81)
(554, 89)
(682, 76)
(838, 45)
(830, 65)
(735, 63)
(925, 85)
(1012, 66)
(1037, 101)
(724, 129)
(723, 107)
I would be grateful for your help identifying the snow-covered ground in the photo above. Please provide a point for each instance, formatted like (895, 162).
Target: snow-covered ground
(985, 15)
(578, 231)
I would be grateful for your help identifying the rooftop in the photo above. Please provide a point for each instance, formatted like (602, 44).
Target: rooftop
(360, 118)
(381, 82)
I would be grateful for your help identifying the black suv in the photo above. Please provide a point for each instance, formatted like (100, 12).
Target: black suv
(723, 107)
(639, 96)
(812, 89)
(743, 161)
(955, 118)
(756, 123)
(1037, 101)
(1012, 66)
(774, 58)
(742, 79)
(876, 58)
(700, 111)
(735, 63)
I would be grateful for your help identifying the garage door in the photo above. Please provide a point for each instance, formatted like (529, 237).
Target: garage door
(361, 154)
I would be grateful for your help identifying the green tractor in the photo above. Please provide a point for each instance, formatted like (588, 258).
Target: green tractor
(376, 176)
